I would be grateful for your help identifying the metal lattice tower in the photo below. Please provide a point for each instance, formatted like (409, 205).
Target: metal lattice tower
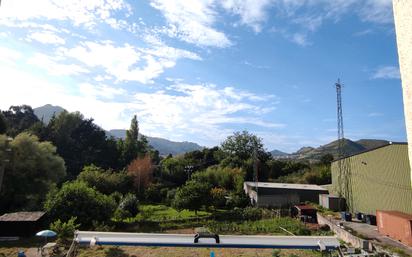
(344, 177)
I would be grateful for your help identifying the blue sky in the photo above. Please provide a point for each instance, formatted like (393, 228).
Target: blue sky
(199, 70)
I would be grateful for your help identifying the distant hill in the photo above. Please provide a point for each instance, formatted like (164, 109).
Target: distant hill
(277, 153)
(372, 143)
(164, 146)
(349, 148)
(47, 111)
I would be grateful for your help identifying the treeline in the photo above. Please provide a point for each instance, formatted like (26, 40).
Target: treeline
(73, 170)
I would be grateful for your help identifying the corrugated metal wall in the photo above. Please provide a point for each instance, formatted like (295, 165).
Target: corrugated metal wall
(380, 180)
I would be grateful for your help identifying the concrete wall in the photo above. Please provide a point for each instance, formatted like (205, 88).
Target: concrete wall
(344, 235)
(403, 23)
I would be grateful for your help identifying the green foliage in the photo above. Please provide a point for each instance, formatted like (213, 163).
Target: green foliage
(265, 226)
(326, 159)
(19, 119)
(115, 252)
(106, 182)
(156, 193)
(65, 230)
(276, 253)
(3, 124)
(238, 199)
(76, 199)
(34, 169)
(81, 142)
(315, 174)
(129, 206)
(228, 178)
(162, 213)
(218, 197)
(173, 170)
(242, 147)
(192, 196)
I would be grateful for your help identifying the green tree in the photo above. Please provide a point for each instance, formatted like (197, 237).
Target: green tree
(173, 170)
(34, 169)
(76, 199)
(106, 181)
(65, 230)
(81, 142)
(3, 124)
(131, 143)
(19, 118)
(245, 150)
(326, 159)
(192, 196)
(129, 206)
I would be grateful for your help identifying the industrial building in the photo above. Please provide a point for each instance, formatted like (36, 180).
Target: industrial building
(278, 195)
(378, 179)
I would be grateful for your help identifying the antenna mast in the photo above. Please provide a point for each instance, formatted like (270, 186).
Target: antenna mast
(344, 177)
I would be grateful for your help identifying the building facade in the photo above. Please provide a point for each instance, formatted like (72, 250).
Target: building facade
(379, 180)
(403, 25)
(282, 195)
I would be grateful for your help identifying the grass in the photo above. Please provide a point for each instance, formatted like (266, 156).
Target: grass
(163, 213)
(265, 226)
(187, 252)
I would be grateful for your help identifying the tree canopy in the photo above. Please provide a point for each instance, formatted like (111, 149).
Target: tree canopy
(34, 169)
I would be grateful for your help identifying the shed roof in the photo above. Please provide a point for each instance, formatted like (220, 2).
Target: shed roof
(22, 216)
(286, 186)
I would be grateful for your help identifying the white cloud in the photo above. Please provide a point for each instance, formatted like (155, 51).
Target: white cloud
(9, 56)
(46, 37)
(387, 72)
(128, 63)
(53, 66)
(252, 12)
(375, 114)
(100, 91)
(192, 21)
(78, 12)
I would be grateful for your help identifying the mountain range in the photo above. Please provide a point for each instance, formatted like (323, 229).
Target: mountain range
(164, 146)
(349, 148)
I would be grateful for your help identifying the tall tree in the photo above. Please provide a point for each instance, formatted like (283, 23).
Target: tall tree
(81, 142)
(19, 118)
(131, 143)
(141, 169)
(34, 169)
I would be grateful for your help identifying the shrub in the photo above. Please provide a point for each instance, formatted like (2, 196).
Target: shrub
(76, 199)
(65, 230)
(128, 207)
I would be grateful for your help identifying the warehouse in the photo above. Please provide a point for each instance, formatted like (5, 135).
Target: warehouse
(378, 179)
(264, 194)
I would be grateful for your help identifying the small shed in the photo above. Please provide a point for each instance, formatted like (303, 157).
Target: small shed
(280, 195)
(332, 202)
(22, 224)
(304, 212)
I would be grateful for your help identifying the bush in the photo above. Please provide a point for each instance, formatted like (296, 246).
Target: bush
(65, 230)
(192, 196)
(106, 182)
(76, 199)
(251, 213)
(218, 196)
(128, 207)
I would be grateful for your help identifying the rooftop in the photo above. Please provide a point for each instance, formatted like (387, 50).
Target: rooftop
(285, 186)
(22, 216)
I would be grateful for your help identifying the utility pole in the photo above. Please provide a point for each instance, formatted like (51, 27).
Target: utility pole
(256, 175)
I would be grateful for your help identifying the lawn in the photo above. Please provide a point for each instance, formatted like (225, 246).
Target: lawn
(163, 213)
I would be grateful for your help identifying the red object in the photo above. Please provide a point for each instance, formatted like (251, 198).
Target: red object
(396, 225)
